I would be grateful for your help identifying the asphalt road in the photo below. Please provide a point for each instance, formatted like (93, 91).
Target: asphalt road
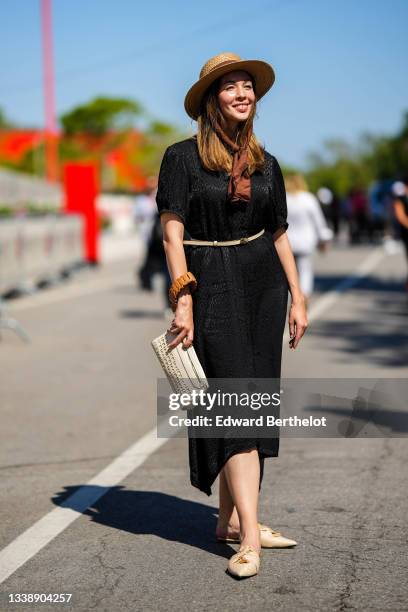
(83, 391)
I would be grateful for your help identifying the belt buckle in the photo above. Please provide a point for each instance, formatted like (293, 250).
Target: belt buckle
(243, 240)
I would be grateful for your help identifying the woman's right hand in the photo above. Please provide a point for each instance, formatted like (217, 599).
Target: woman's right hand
(183, 324)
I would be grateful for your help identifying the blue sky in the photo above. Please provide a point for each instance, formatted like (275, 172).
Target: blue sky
(341, 67)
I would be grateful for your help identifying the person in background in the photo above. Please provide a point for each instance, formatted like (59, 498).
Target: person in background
(377, 199)
(152, 235)
(330, 204)
(155, 263)
(145, 209)
(400, 207)
(359, 222)
(307, 229)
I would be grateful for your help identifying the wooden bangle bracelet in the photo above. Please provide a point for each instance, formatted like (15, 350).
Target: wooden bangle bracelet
(182, 281)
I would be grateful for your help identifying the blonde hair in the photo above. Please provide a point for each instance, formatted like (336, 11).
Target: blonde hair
(295, 183)
(213, 153)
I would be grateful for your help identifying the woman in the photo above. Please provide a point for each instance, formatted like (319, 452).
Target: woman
(307, 229)
(221, 185)
(400, 210)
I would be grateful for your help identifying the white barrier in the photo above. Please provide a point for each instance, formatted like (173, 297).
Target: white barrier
(68, 242)
(11, 254)
(34, 250)
(17, 189)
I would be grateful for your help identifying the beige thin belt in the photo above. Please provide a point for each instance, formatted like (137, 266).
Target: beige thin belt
(242, 240)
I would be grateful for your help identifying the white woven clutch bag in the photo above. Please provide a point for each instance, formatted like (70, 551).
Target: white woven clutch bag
(181, 366)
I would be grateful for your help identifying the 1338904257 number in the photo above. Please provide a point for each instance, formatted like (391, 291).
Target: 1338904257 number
(39, 597)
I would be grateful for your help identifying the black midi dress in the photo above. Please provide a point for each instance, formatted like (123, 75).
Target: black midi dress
(240, 303)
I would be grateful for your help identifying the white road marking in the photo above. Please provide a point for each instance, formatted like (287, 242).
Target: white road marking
(328, 299)
(31, 541)
(36, 537)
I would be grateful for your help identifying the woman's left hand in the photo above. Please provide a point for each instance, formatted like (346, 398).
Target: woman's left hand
(183, 323)
(297, 321)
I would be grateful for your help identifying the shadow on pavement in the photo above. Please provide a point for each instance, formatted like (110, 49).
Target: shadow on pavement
(385, 421)
(367, 338)
(378, 331)
(327, 282)
(147, 512)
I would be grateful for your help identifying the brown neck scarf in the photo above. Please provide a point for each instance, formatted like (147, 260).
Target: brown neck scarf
(239, 186)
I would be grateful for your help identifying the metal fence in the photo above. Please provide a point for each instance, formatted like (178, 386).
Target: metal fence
(19, 189)
(36, 250)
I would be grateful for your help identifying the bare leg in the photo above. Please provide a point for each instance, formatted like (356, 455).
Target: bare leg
(242, 474)
(228, 520)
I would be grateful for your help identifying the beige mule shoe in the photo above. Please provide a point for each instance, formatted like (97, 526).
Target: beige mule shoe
(269, 538)
(244, 563)
(274, 539)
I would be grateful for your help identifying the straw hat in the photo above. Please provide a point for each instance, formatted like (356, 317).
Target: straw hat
(218, 65)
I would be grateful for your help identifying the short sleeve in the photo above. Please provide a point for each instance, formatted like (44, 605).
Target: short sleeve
(278, 197)
(173, 189)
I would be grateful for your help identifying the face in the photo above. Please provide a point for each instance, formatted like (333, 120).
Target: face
(236, 96)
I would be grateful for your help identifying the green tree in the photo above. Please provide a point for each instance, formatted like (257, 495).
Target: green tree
(156, 137)
(5, 123)
(388, 156)
(341, 166)
(101, 115)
